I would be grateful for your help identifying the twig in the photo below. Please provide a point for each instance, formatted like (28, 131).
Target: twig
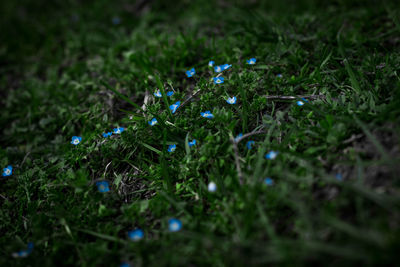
(290, 97)
(23, 161)
(249, 134)
(4, 197)
(352, 138)
(237, 163)
(145, 101)
(105, 171)
(187, 100)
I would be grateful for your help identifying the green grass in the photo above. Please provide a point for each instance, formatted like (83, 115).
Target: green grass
(68, 70)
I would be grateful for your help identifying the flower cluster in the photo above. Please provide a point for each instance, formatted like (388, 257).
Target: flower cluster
(24, 252)
(159, 95)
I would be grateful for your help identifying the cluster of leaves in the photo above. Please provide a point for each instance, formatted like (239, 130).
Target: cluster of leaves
(99, 78)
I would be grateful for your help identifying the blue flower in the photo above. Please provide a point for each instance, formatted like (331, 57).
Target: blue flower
(105, 135)
(136, 235)
(249, 144)
(299, 103)
(218, 69)
(192, 143)
(174, 225)
(76, 140)
(102, 186)
(171, 148)
(231, 100)
(218, 80)
(153, 122)
(226, 66)
(211, 63)
(125, 264)
(7, 171)
(238, 136)
(339, 177)
(251, 61)
(175, 106)
(279, 75)
(268, 181)
(305, 100)
(157, 94)
(207, 114)
(190, 72)
(25, 252)
(119, 130)
(212, 187)
(116, 20)
(271, 155)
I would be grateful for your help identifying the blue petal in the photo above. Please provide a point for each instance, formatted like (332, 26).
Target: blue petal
(268, 181)
(249, 144)
(136, 234)
(174, 225)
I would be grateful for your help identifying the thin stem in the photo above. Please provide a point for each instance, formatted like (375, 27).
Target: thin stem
(237, 162)
(290, 97)
(250, 134)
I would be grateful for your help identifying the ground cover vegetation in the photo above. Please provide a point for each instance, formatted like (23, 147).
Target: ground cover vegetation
(126, 146)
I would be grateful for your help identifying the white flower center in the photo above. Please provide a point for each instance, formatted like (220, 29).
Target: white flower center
(7, 171)
(174, 226)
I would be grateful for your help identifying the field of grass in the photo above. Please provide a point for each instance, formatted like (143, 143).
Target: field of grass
(83, 68)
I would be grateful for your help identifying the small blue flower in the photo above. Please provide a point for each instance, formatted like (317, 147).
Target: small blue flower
(271, 155)
(300, 103)
(251, 61)
(118, 130)
(153, 122)
(105, 135)
(211, 63)
(102, 186)
(190, 72)
(116, 20)
(207, 114)
(218, 69)
(305, 100)
(226, 66)
(218, 80)
(279, 75)
(136, 235)
(339, 177)
(268, 181)
(7, 171)
(157, 94)
(25, 252)
(171, 148)
(125, 264)
(249, 144)
(175, 106)
(192, 143)
(174, 225)
(231, 100)
(238, 136)
(212, 187)
(76, 140)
